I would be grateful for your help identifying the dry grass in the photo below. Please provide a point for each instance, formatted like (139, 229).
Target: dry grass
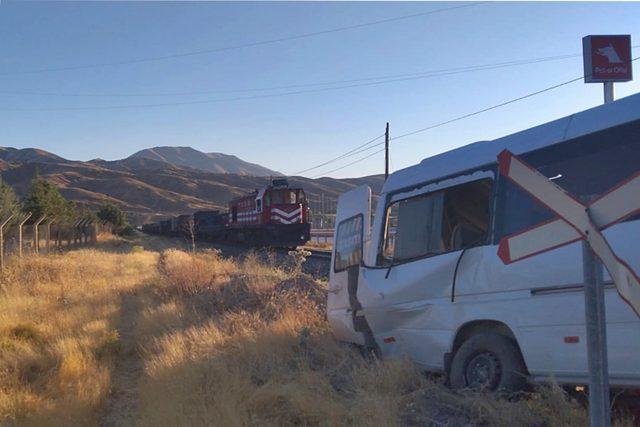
(221, 342)
(57, 333)
(259, 352)
(318, 245)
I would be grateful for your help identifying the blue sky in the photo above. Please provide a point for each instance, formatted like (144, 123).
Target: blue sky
(293, 132)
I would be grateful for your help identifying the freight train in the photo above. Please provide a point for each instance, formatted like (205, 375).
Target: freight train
(275, 215)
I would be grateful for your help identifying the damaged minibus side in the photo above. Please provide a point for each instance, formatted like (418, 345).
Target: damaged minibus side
(423, 278)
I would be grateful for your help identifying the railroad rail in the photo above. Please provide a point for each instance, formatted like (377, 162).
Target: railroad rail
(322, 235)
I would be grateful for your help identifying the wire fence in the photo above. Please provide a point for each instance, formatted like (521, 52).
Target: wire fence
(21, 234)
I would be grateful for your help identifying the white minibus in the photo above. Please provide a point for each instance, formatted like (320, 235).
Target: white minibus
(423, 279)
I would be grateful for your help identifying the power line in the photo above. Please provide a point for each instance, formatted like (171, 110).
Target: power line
(348, 164)
(209, 101)
(429, 73)
(443, 123)
(212, 101)
(245, 45)
(493, 107)
(381, 80)
(347, 154)
(270, 95)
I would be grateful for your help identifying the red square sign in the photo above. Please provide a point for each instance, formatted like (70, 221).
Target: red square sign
(607, 58)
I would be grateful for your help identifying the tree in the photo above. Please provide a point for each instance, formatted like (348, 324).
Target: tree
(8, 201)
(112, 214)
(44, 198)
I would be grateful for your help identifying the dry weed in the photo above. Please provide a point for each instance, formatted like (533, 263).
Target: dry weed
(57, 333)
(261, 353)
(223, 342)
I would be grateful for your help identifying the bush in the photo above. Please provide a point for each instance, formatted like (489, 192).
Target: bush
(44, 198)
(127, 231)
(112, 214)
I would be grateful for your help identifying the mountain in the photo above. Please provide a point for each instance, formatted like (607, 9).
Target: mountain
(209, 162)
(151, 189)
(12, 155)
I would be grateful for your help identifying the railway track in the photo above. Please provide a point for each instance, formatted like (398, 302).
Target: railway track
(320, 254)
(318, 263)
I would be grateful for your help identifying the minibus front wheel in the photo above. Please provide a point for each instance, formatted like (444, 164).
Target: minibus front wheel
(488, 361)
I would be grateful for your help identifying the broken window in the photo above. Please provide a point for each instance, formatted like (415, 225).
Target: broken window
(438, 222)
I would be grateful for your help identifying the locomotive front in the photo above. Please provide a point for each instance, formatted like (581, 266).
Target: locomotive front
(276, 215)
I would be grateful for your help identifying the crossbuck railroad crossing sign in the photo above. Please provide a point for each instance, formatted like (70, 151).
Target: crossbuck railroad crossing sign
(575, 221)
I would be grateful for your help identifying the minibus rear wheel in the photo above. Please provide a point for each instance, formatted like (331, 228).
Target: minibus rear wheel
(488, 361)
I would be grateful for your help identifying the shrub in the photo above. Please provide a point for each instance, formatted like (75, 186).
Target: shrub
(127, 231)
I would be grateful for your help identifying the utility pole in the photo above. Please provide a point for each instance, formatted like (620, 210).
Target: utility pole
(386, 152)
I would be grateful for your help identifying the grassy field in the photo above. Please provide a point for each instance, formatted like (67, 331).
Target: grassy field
(120, 335)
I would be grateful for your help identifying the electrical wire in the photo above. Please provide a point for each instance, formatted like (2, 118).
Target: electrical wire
(443, 123)
(245, 45)
(241, 98)
(347, 154)
(421, 74)
(493, 107)
(212, 101)
(348, 164)
(410, 76)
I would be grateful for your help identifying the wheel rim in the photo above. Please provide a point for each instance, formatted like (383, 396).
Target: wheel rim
(483, 371)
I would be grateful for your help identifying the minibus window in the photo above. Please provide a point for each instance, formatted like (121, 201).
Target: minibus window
(517, 210)
(585, 167)
(348, 243)
(430, 224)
(414, 228)
(466, 216)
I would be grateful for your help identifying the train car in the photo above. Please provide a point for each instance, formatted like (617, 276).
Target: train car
(276, 215)
(165, 227)
(183, 226)
(210, 225)
(151, 228)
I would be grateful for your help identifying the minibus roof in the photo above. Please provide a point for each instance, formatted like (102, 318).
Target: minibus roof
(484, 152)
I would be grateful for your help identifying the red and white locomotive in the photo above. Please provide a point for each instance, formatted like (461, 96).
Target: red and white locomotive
(276, 215)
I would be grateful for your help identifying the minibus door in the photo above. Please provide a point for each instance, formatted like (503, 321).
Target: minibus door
(352, 230)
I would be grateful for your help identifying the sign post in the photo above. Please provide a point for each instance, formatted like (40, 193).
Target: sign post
(607, 59)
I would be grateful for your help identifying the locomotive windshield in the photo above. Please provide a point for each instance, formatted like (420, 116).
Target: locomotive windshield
(285, 197)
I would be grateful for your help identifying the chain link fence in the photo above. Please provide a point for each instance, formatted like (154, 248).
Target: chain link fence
(22, 234)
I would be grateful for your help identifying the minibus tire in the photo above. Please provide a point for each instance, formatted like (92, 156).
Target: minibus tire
(508, 371)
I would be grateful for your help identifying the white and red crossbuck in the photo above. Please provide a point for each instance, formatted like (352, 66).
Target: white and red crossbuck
(575, 221)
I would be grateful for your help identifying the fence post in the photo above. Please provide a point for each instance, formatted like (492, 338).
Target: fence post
(83, 230)
(47, 233)
(20, 224)
(74, 232)
(2, 239)
(94, 232)
(88, 230)
(36, 237)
